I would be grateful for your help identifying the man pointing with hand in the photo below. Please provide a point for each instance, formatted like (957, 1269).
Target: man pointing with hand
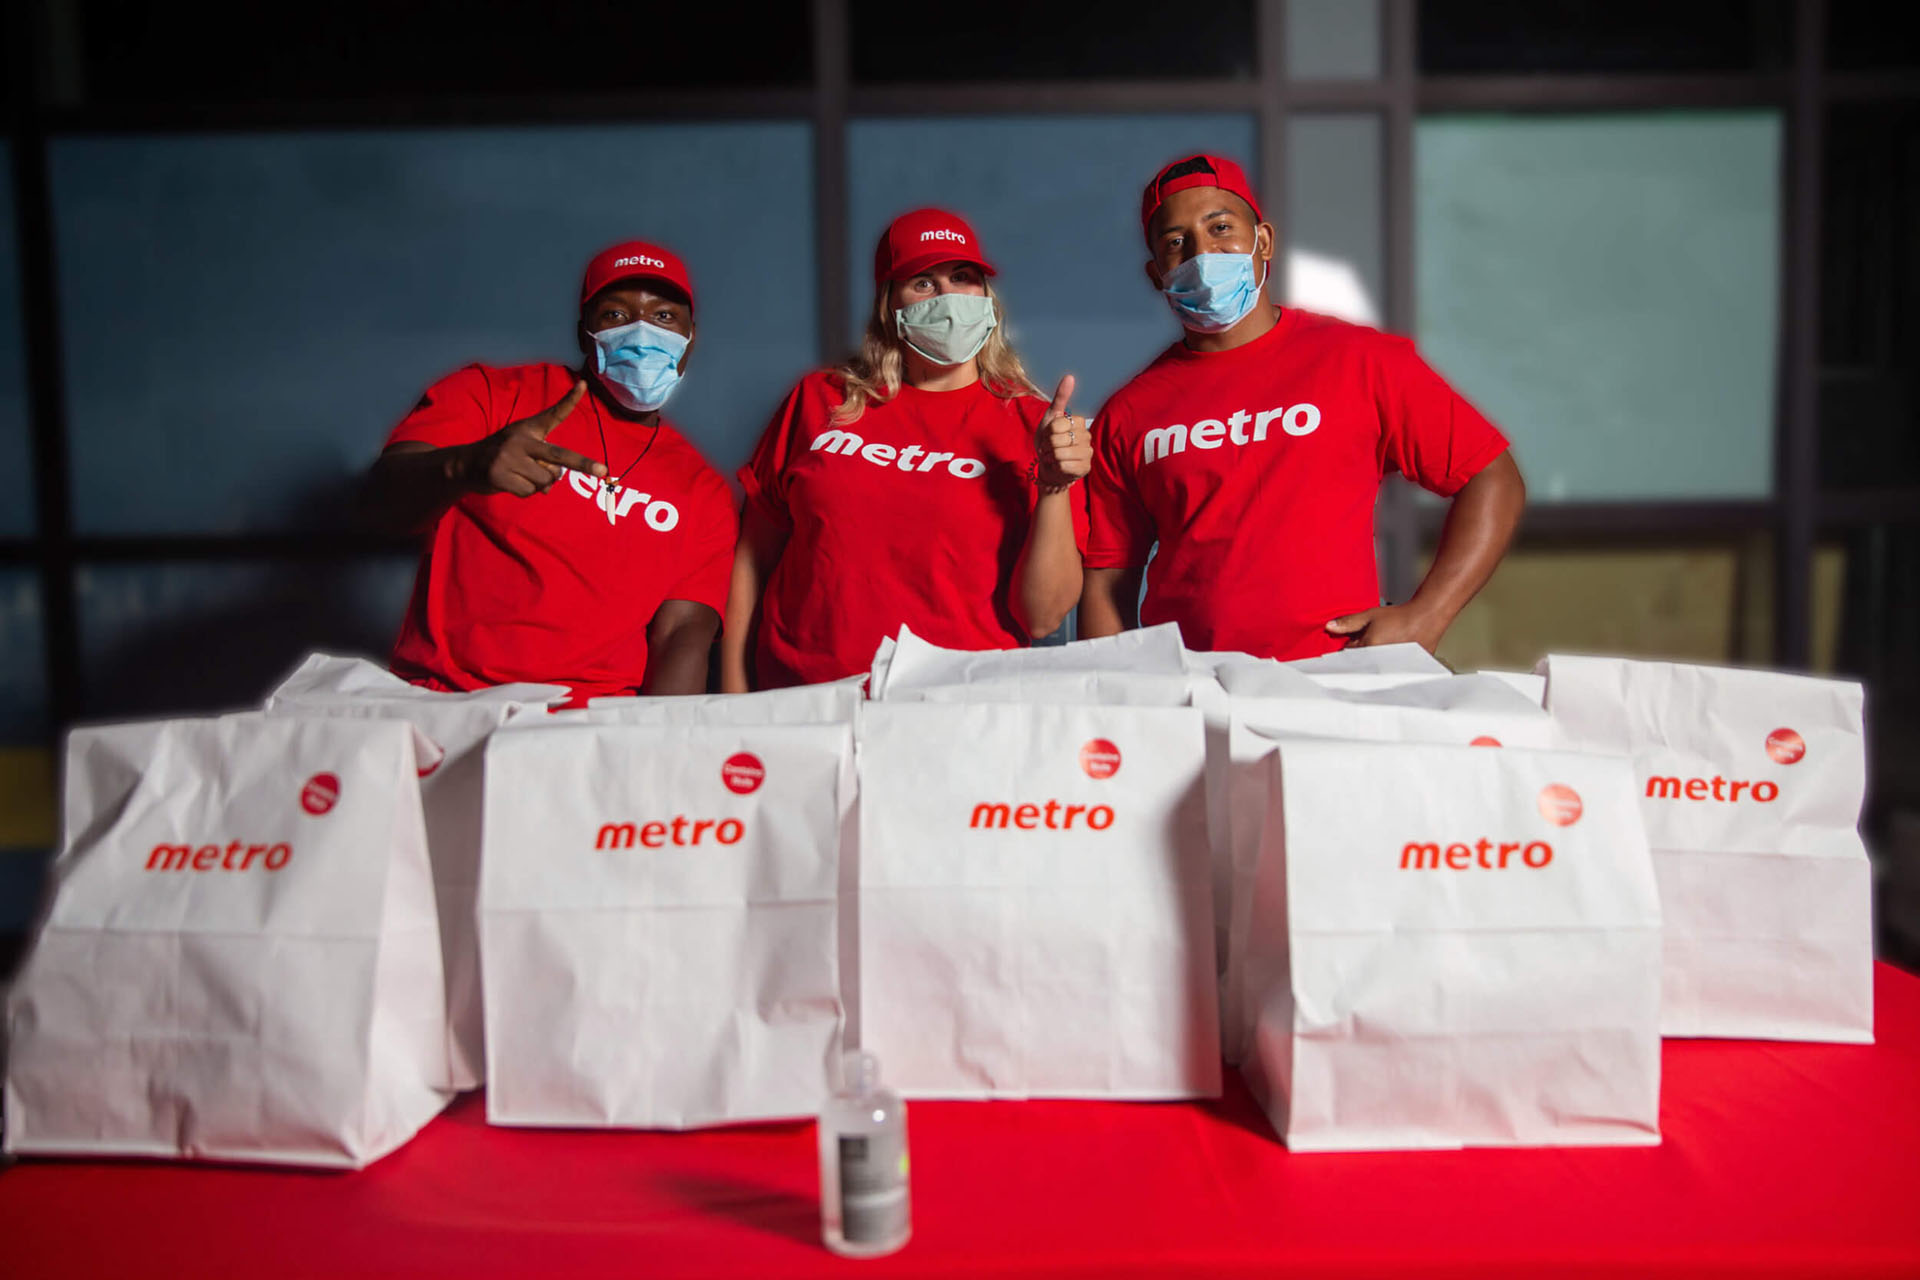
(572, 536)
(1252, 452)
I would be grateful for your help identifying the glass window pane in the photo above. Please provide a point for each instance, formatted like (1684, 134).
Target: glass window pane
(1050, 40)
(1870, 296)
(164, 638)
(23, 659)
(294, 293)
(16, 451)
(1606, 288)
(1690, 603)
(1602, 35)
(1861, 38)
(1069, 249)
(149, 51)
(1333, 228)
(1333, 39)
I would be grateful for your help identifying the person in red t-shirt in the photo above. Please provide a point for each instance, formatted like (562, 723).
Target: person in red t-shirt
(926, 482)
(1252, 452)
(572, 535)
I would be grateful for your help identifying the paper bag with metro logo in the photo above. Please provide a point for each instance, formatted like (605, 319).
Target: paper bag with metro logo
(1751, 784)
(659, 921)
(1035, 915)
(241, 959)
(1453, 947)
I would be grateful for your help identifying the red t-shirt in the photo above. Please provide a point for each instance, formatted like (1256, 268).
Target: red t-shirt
(914, 513)
(1257, 470)
(543, 588)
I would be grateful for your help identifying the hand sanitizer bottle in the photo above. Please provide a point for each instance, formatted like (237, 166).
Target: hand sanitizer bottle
(864, 1208)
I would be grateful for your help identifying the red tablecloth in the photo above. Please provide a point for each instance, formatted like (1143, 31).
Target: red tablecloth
(1778, 1159)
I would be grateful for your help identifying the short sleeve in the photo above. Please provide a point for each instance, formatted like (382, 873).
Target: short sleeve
(1429, 433)
(1120, 532)
(708, 573)
(458, 409)
(764, 478)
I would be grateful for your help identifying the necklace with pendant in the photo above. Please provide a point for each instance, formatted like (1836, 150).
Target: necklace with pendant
(610, 487)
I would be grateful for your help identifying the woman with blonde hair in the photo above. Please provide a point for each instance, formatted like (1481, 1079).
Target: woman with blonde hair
(926, 482)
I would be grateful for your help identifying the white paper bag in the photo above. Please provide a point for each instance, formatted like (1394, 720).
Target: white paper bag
(1382, 659)
(915, 664)
(241, 959)
(658, 922)
(1454, 948)
(459, 723)
(1463, 710)
(1751, 784)
(831, 703)
(1033, 901)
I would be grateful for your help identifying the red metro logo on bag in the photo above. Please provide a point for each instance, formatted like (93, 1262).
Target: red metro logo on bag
(1786, 746)
(743, 773)
(1560, 805)
(320, 794)
(1100, 758)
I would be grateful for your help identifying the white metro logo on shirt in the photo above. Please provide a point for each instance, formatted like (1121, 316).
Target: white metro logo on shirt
(639, 260)
(1211, 433)
(911, 458)
(943, 233)
(661, 516)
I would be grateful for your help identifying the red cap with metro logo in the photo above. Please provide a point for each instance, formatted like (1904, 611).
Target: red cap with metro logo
(1207, 171)
(915, 241)
(634, 260)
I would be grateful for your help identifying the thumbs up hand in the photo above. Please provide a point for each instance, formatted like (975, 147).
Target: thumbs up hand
(1063, 444)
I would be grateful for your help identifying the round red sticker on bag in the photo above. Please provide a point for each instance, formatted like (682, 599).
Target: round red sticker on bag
(1484, 741)
(743, 773)
(321, 793)
(1786, 746)
(1560, 805)
(1100, 758)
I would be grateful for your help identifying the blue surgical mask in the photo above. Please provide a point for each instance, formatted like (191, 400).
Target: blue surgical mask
(1212, 292)
(639, 363)
(948, 329)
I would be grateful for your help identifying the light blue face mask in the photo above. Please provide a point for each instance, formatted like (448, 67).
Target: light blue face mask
(948, 329)
(639, 363)
(1212, 292)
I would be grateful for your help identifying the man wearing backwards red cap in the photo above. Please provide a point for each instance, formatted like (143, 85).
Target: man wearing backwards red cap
(1252, 451)
(573, 536)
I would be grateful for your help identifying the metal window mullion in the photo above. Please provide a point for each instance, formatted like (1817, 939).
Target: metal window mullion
(1797, 452)
(1398, 518)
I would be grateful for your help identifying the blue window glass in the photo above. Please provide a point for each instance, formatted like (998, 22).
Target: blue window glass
(1056, 203)
(23, 691)
(16, 454)
(246, 316)
(1606, 288)
(158, 638)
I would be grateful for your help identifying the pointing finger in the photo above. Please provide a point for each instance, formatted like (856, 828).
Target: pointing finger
(560, 457)
(553, 417)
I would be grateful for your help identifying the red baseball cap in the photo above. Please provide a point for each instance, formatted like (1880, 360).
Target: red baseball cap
(1206, 171)
(634, 260)
(915, 241)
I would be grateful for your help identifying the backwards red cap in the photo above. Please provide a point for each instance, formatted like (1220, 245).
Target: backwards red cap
(1208, 171)
(634, 260)
(915, 241)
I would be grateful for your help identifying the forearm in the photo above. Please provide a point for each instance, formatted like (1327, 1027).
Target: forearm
(743, 618)
(1109, 602)
(1047, 576)
(677, 663)
(1478, 529)
(408, 486)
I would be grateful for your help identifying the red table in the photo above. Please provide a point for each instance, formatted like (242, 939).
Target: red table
(1778, 1159)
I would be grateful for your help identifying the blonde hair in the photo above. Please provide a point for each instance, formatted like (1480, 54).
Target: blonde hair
(874, 372)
